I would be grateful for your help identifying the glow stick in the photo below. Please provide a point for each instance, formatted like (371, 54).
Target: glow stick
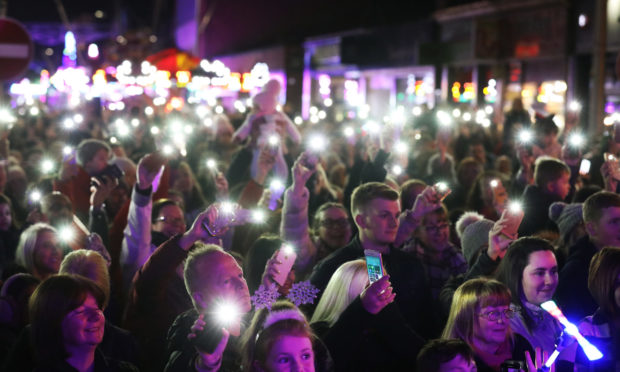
(590, 350)
(552, 358)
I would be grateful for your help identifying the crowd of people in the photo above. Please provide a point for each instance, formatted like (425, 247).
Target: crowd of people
(242, 248)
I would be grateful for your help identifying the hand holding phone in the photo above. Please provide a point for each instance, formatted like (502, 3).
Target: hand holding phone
(374, 265)
(511, 219)
(286, 257)
(441, 190)
(584, 167)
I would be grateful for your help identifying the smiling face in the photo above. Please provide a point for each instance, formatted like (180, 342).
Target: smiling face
(334, 228)
(540, 277)
(290, 354)
(491, 331)
(83, 326)
(435, 231)
(379, 222)
(47, 254)
(5, 217)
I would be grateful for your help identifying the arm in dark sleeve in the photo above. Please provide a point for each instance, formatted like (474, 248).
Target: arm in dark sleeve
(181, 353)
(375, 171)
(98, 223)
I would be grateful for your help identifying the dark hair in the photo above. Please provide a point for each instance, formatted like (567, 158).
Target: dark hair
(603, 277)
(510, 270)
(475, 200)
(594, 205)
(549, 169)
(316, 220)
(87, 150)
(50, 303)
(545, 126)
(407, 195)
(437, 352)
(365, 193)
(257, 257)
(585, 192)
(159, 205)
(5, 200)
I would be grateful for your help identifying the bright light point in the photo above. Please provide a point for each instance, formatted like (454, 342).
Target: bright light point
(93, 51)
(113, 140)
(207, 122)
(148, 110)
(467, 116)
(298, 120)
(68, 123)
(258, 216)
(574, 106)
(608, 121)
(494, 183)
(582, 20)
(219, 109)
(227, 207)
(167, 150)
(154, 131)
(417, 111)
(486, 122)
(66, 234)
(78, 118)
(123, 131)
(328, 102)
(441, 186)
(401, 147)
(349, 132)
(47, 165)
(525, 136)
(456, 113)
(372, 127)
(276, 185)
(226, 313)
(211, 164)
(314, 119)
(397, 170)
(188, 129)
(576, 140)
(67, 150)
(444, 118)
(288, 249)
(202, 111)
(135, 122)
(488, 110)
(35, 196)
(34, 111)
(314, 110)
(279, 108)
(274, 140)
(417, 136)
(515, 207)
(318, 143)
(322, 114)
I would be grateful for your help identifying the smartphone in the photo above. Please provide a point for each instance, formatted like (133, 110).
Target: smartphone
(208, 339)
(584, 167)
(374, 264)
(514, 216)
(610, 157)
(310, 160)
(512, 366)
(442, 190)
(286, 255)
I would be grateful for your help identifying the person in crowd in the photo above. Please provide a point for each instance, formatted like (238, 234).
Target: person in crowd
(212, 279)
(280, 340)
(259, 256)
(480, 315)
(39, 251)
(569, 219)
(466, 174)
(14, 297)
(517, 118)
(376, 213)
(488, 195)
(9, 233)
(546, 132)
(551, 184)
(603, 325)
(330, 231)
(530, 270)
(446, 356)
(67, 327)
(601, 214)
(182, 179)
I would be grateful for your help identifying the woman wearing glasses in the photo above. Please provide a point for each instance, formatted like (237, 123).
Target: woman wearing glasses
(530, 271)
(480, 315)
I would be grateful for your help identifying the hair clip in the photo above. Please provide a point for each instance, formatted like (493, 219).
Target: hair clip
(265, 297)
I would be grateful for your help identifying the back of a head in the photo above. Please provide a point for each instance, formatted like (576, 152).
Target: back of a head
(258, 255)
(347, 282)
(437, 352)
(409, 191)
(91, 265)
(548, 169)
(192, 271)
(474, 238)
(468, 299)
(595, 204)
(365, 193)
(603, 278)
(545, 126)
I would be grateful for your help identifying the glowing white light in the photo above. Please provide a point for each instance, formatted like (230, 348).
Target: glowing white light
(515, 207)
(444, 118)
(274, 140)
(288, 249)
(328, 102)
(158, 101)
(227, 313)
(135, 122)
(416, 111)
(525, 136)
(47, 166)
(219, 109)
(202, 111)
(322, 114)
(486, 122)
(456, 113)
(314, 110)
(154, 131)
(576, 140)
(494, 183)
(35, 196)
(207, 122)
(582, 20)
(276, 185)
(298, 120)
(66, 234)
(188, 129)
(67, 150)
(113, 140)
(417, 136)
(397, 170)
(349, 131)
(401, 147)
(93, 51)
(227, 207)
(317, 143)
(211, 164)
(488, 110)
(34, 111)
(574, 106)
(167, 150)
(467, 116)
(123, 130)
(314, 119)
(372, 127)
(78, 118)
(68, 123)
(148, 110)
(6, 116)
(259, 216)
(441, 186)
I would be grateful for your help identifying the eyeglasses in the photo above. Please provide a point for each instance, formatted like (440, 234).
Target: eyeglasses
(496, 314)
(436, 228)
(171, 221)
(337, 223)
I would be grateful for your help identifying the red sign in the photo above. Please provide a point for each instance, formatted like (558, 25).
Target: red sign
(16, 49)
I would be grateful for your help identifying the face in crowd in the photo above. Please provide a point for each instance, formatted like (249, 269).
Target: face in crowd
(380, 221)
(334, 228)
(170, 221)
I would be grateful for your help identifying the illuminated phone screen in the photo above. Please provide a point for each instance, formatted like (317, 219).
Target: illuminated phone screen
(375, 271)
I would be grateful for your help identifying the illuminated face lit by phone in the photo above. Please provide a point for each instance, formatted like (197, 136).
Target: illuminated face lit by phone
(290, 354)
(379, 221)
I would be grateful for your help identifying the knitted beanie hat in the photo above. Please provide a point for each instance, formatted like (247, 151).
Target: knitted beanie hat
(465, 220)
(566, 216)
(474, 237)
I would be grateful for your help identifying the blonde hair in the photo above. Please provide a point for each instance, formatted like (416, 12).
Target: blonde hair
(89, 264)
(24, 255)
(343, 287)
(468, 299)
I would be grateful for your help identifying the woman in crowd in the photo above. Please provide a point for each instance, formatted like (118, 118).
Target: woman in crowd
(280, 339)
(39, 251)
(480, 315)
(530, 270)
(9, 233)
(67, 325)
(488, 195)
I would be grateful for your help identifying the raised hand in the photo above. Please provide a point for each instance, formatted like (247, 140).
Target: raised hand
(378, 295)
(100, 190)
(148, 168)
(208, 361)
(301, 172)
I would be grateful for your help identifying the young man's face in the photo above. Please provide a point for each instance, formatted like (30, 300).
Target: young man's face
(606, 231)
(560, 187)
(379, 221)
(98, 163)
(170, 221)
(458, 364)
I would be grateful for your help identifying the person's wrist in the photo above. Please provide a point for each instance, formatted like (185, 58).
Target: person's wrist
(201, 365)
